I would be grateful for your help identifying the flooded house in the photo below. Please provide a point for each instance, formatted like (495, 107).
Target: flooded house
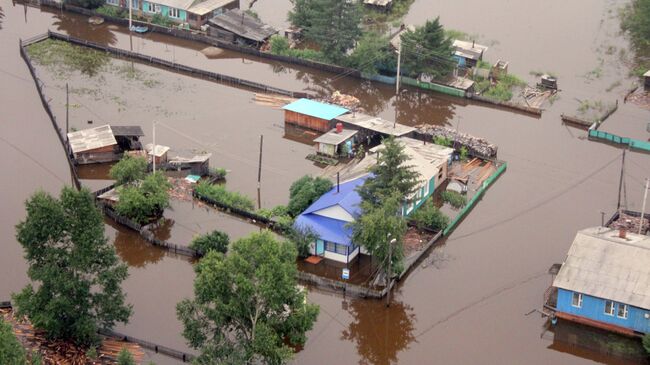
(336, 143)
(314, 115)
(468, 54)
(604, 281)
(192, 13)
(128, 137)
(236, 26)
(157, 154)
(99, 144)
(198, 165)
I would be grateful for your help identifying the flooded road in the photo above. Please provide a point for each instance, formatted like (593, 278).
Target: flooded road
(469, 304)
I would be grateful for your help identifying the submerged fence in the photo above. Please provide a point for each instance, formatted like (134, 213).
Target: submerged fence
(159, 349)
(479, 194)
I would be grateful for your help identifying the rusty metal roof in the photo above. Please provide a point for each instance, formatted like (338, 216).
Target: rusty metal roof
(601, 264)
(90, 139)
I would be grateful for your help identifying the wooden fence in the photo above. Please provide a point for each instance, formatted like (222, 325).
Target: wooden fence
(342, 287)
(159, 349)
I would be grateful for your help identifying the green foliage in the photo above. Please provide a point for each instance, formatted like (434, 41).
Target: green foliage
(77, 272)
(464, 153)
(455, 199)
(223, 196)
(59, 54)
(442, 141)
(90, 4)
(372, 50)
(334, 25)
(397, 11)
(252, 13)
(502, 91)
(129, 169)
(427, 50)
(247, 307)
(646, 343)
(302, 237)
(636, 21)
(213, 241)
(280, 46)
(36, 358)
(455, 34)
(484, 65)
(219, 173)
(125, 357)
(159, 19)
(377, 227)
(145, 201)
(304, 191)
(91, 353)
(114, 11)
(11, 351)
(429, 216)
(391, 175)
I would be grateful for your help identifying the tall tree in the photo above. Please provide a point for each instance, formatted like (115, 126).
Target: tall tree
(390, 175)
(77, 270)
(247, 307)
(427, 50)
(145, 201)
(304, 191)
(372, 52)
(129, 169)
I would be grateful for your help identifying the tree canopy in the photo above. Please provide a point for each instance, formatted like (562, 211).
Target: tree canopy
(372, 51)
(144, 201)
(77, 272)
(247, 307)
(636, 20)
(427, 50)
(11, 351)
(129, 169)
(304, 191)
(215, 240)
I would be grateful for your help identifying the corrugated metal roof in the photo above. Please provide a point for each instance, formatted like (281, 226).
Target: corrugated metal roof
(327, 229)
(601, 264)
(316, 109)
(332, 137)
(347, 197)
(90, 139)
(469, 50)
(244, 25)
(194, 159)
(375, 124)
(207, 6)
(159, 151)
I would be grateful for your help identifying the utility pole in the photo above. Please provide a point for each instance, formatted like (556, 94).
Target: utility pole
(399, 64)
(259, 174)
(620, 182)
(67, 112)
(153, 149)
(130, 14)
(645, 196)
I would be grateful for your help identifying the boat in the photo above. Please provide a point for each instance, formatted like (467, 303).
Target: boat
(139, 29)
(95, 20)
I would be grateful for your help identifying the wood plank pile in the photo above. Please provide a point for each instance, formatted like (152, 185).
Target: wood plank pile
(344, 100)
(272, 100)
(475, 145)
(485, 172)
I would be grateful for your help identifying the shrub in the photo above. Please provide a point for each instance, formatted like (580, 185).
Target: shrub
(145, 201)
(159, 19)
(219, 173)
(464, 153)
(11, 351)
(129, 169)
(442, 141)
(304, 191)
(455, 199)
(219, 194)
(280, 46)
(213, 241)
(646, 342)
(302, 239)
(125, 357)
(112, 11)
(429, 216)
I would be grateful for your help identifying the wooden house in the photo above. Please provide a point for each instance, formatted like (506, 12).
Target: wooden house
(159, 153)
(336, 143)
(312, 115)
(236, 26)
(467, 54)
(198, 165)
(94, 145)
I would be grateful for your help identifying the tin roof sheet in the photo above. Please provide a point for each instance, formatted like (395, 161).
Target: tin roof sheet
(316, 109)
(90, 139)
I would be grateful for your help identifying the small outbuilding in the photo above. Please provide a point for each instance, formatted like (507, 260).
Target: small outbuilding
(159, 153)
(198, 165)
(336, 143)
(314, 115)
(468, 53)
(236, 26)
(94, 145)
(128, 137)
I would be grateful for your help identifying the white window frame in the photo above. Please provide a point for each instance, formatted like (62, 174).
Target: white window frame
(625, 311)
(612, 308)
(156, 8)
(573, 300)
(135, 4)
(173, 13)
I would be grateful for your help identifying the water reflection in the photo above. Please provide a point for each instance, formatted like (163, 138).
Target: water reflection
(163, 228)
(596, 345)
(78, 26)
(2, 15)
(380, 333)
(135, 251)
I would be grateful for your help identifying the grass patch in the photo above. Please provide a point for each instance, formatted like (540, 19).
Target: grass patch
(225, 197)
(503, 90)
(398, 10)
(280, 46)
(455, 199)
(62, 57)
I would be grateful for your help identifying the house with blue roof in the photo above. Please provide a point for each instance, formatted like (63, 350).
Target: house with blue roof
(329, 218)
(313, 115)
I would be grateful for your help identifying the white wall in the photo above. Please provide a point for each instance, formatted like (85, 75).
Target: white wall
(335, 212)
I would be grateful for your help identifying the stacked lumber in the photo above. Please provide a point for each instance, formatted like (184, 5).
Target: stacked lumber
(485, 172)
(272, 100)
(344, 100)
(475, 145)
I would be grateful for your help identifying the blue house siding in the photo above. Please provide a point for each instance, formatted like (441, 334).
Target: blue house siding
(594, 308)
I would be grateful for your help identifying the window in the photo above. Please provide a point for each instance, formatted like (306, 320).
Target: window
(342, 249)
(329, 246)
(173, 13)
(113, 2)
(622, 311)
(134, 4)
(156, 8)
(609, 307)
(576, 301)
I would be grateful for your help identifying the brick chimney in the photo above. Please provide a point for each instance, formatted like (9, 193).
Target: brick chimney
(622, 232)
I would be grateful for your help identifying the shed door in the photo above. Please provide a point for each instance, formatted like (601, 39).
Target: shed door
(320, 247)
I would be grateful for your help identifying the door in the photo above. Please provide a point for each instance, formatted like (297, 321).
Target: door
(320, 247)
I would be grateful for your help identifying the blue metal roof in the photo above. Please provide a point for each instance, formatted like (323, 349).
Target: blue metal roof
(347, 197)
(327, 229)
(315, 109)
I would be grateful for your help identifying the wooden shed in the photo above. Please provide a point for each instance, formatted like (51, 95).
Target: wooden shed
(159, 153)
(236, 26)
(198, 165)
(337, 142)
(94, 145)
(312, 115)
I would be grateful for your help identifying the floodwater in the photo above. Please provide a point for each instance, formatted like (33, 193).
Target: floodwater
(471, 305)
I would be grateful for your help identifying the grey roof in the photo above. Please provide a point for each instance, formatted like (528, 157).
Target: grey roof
(601, 264)
(375, 124)
(204, 7)
(243, 25)
(90, 139)
(469, 50)
(195, 159)
(334, 138)
(127, 131)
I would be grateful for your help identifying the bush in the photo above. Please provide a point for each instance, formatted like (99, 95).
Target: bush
(145, 201)
(442, 141)
(125, 357)
(219, 194)
(464, 153)
(159, 19)
(304, 191)
(113, 11)
(11, 351)
(429, 216)
(280, 46)
(646, 342)
(502, 91)
(455, 199)
(219, 173)
(213, 241)
(129, 169)
(302, 239)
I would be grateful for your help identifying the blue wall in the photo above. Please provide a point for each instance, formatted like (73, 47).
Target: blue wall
(594, 308)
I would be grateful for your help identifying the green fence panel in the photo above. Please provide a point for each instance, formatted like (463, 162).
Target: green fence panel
(475, 199)
(609, 137)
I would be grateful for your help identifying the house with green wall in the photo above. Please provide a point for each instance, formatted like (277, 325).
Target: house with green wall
(192, 13)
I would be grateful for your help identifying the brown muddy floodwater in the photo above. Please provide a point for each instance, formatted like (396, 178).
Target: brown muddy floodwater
(469, 305)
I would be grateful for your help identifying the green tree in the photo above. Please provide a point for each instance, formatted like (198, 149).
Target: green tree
(302, 238)
(247, 307)
(427, 50)
(125, 357)
(646, 342)
(636, 21)
(88, 4)
(215, 240)
(77, 270)
(334, 25)
(377, 228)
(429, 216)
(129, 169)
(11, 351)
(304, 191)
(372, 51)
(390, 175)
(145, 201)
